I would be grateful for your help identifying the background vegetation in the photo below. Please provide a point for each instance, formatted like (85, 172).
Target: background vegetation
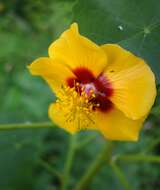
(35, 159)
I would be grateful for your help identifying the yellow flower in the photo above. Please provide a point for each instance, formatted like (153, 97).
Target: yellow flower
(106, 87)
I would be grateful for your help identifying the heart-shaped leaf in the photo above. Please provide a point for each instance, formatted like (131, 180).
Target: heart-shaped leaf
(135, 25)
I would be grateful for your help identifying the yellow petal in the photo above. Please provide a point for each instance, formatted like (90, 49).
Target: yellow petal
(133, 82)
(114, 125)
(77, 51)
(61, 116)
(52, 71)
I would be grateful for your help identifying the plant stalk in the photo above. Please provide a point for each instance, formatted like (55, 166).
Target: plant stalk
(139, 158)
(120, 175)
(25, 126)
(69, 161)
(97, 164)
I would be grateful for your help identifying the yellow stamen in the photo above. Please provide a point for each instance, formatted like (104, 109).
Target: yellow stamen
(76, 106)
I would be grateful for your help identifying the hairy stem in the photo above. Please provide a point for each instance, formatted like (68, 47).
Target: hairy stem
(104, 155)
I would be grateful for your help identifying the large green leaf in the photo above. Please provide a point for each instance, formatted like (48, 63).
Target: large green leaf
(133, 24)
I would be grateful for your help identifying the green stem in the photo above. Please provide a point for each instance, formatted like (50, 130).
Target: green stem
(138, 157)
(69, 161)
(150, 147)
(25, 125)
(50, 169)
(104, 155)
(119, 173)
(86, 141)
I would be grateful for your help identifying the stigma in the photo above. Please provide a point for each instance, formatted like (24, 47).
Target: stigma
(99, 87)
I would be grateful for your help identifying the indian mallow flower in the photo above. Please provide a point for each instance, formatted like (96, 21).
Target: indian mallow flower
(104, 88)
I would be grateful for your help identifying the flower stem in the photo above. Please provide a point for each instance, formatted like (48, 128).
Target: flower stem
(86, 141)
(139, 158)
(69, 161)
(50, 169)
(104, 155)
(25, 125)
(119, 173)
(152, 145)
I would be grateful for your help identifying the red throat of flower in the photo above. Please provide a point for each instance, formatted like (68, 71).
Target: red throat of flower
(97, 89)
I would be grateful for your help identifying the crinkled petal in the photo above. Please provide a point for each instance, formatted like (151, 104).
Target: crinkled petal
(77, 51)
(55, 73)
(133, 82)
(114, 125)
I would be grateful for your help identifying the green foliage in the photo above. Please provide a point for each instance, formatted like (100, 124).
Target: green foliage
(133, 24)
(25, 33)
(35, 158)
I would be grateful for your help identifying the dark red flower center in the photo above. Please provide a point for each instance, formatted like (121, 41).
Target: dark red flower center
(100, 86)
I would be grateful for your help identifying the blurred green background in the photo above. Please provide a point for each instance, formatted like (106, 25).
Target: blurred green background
(30, 158)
